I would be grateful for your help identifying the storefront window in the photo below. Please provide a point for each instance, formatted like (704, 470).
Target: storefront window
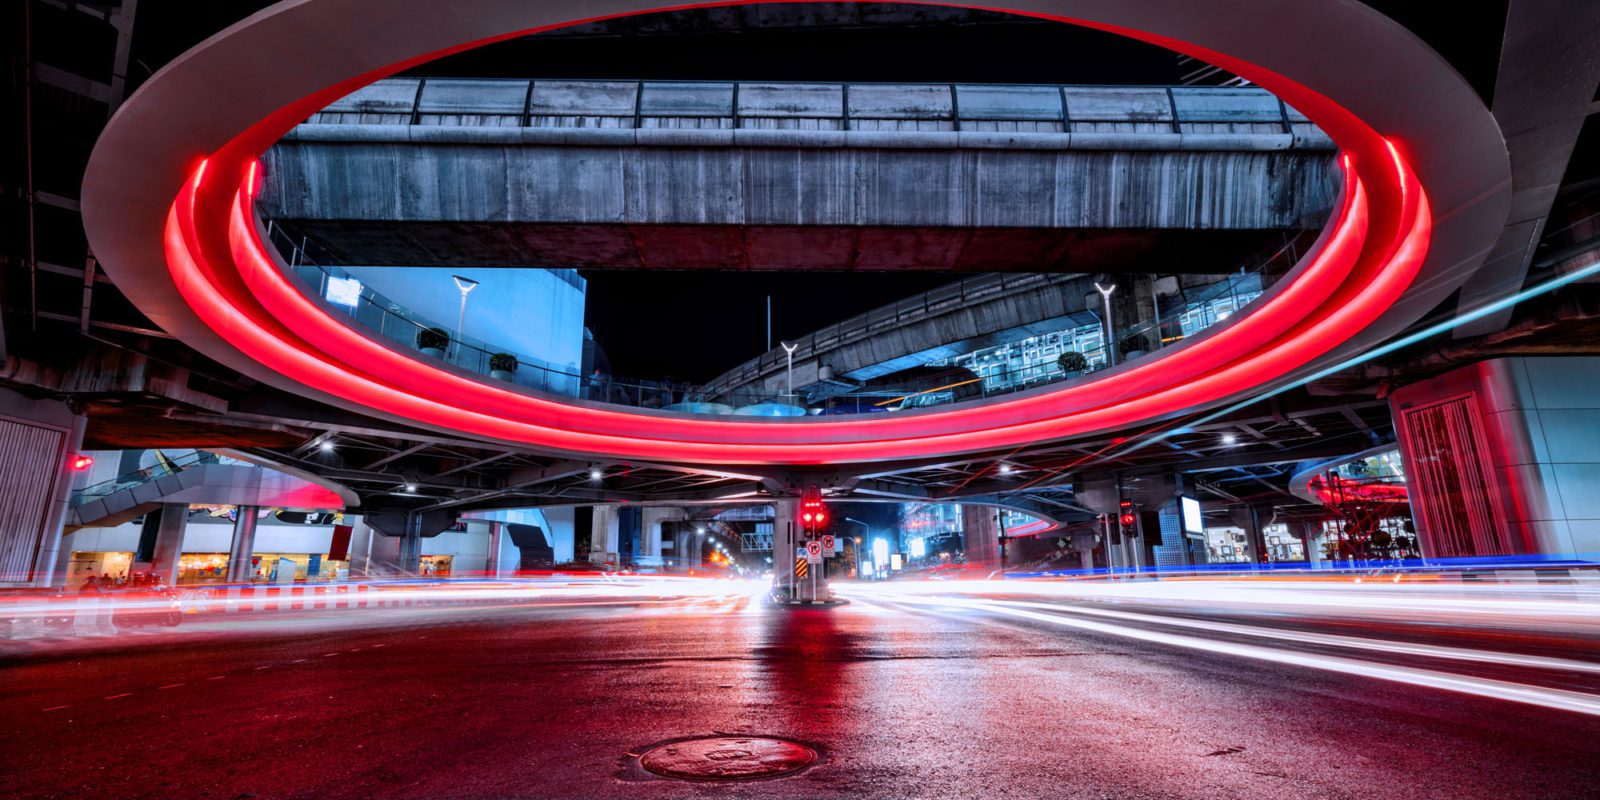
(86, 563)
(202, 568)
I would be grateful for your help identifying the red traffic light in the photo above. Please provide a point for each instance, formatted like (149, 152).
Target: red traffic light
(1129, 519)
(79, 462)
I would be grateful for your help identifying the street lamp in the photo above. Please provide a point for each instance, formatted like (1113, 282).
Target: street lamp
(466, 285)
(788, 351)
(865, 530)
(1111, 342)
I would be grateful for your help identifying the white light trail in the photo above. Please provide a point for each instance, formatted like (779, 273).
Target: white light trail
(1480, 687)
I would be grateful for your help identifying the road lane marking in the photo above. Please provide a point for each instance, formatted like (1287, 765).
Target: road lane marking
(299, 660)
(118, 696)
(216, 677)
(326, 655)
(58, 708)
(170, 686)
(264, 666)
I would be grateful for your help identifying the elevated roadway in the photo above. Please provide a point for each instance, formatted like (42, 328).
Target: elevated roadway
(725, 175)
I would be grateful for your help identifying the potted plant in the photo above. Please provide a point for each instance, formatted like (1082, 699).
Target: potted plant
(433, 341)
(503, 366)
(1072, 363)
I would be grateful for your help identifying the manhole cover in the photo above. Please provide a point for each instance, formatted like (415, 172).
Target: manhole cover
(727, 758)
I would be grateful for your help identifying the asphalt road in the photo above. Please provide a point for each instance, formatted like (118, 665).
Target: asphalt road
(900, 700)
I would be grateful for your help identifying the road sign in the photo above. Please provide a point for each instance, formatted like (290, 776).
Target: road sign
(827, 543)
(813, 550)
(801, 567)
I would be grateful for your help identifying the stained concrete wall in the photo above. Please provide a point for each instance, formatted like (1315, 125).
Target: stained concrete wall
(375, 197)
(708, 174)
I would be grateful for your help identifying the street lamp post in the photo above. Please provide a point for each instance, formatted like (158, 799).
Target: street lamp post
(466, 285)
(788, 351)
(1111, 341)
(866, 530)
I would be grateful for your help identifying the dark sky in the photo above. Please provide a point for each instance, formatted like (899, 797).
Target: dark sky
(693, 326)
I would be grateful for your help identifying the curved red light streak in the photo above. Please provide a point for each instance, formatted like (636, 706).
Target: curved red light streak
(1374, 247)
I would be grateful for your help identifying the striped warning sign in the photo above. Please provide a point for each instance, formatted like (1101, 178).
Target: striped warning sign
(801, 567)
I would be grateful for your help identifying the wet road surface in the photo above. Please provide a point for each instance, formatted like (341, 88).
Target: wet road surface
(900, 699)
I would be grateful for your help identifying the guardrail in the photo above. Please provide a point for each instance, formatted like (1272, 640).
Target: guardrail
(1157, 333)
(129, 480)
(397, 324)
(772, 105)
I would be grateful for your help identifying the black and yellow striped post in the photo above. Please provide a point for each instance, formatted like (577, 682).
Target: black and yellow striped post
(801, 568)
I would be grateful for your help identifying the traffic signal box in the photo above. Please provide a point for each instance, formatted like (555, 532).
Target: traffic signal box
(813, 514)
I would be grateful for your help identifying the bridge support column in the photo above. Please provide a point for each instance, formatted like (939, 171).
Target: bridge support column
(36, 439)
(689, 544)
(1502, 457)
(1249, 518)
(492, 567)
(410, 560)
(604, 547)
(242, 544)
(980, 534)
(161, 543)
(785, 538)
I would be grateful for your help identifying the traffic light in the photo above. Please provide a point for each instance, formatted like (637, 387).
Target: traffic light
(813, 514)
(1127, 518)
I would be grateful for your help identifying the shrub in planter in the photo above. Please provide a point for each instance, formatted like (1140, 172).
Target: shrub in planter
(503, 366)
(433, 341)
(1072, 363)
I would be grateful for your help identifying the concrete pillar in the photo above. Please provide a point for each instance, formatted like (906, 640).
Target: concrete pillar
(361, 535)
(1249, 518)
(1502, 457)
(1308, 534)
(242, 544)
(653, 524)
(603, 537)
(496, 533)
(785, 538)
(980, 535)
(384, 558)
(36, 439)
(691, 549)
(410, 558)
(169, 542)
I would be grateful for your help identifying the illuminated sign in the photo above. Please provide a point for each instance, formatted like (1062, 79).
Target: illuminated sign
(343, 291)
(1192, 521)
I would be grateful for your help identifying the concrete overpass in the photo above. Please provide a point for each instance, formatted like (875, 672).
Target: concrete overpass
(967, 315)
(741, 175)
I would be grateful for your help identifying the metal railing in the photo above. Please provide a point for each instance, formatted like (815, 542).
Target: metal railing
(779, 105)
(401, 326)
(162, 467)
(1163, 331)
